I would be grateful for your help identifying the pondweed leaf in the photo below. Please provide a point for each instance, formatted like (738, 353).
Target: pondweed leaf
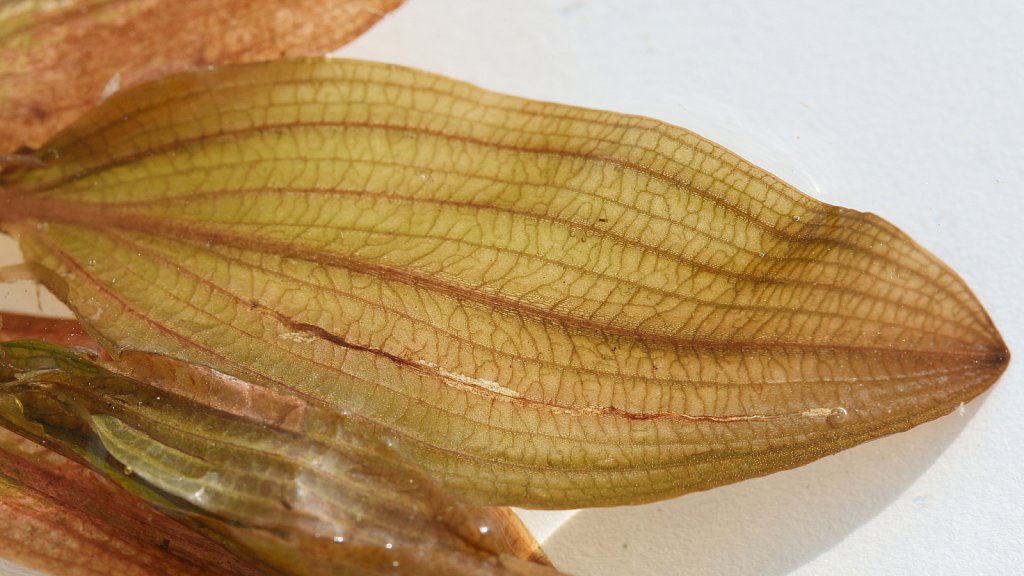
(304, 490)
(58, 58)
(542, 305)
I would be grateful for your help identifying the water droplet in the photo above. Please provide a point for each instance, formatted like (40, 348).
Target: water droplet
(91, 263)
(128, 471)
(796, 217)
(339, 539)
(761, 254)
(395, 564)
(424, 176)
(484, 529)
(389, 545)
(837, 417)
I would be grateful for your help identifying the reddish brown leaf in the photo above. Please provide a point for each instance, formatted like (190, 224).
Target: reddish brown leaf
(62, 331)
(59, 58)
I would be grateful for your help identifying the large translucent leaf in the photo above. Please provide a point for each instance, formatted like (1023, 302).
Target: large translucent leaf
(544, 305)
(58, 58)
(305, 490)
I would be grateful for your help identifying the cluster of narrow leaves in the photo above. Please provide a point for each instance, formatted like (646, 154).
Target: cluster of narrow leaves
(338, 293)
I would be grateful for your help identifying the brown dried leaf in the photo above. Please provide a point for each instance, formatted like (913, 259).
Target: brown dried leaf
(58, 58)
(543, 305)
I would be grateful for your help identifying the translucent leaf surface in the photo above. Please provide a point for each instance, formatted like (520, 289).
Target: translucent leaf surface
(309, 493)
(544, 305)
(58, 58)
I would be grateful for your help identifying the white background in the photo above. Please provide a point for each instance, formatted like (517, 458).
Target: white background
(913, 110)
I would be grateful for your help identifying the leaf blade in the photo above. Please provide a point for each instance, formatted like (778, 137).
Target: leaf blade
(549, 306)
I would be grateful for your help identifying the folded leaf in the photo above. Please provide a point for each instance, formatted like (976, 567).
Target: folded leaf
(543, 305)
(58, 58)
(310, 494)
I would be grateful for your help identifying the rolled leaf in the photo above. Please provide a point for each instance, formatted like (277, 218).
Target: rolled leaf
(58, 58)
(307, 494)
(543, 305)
